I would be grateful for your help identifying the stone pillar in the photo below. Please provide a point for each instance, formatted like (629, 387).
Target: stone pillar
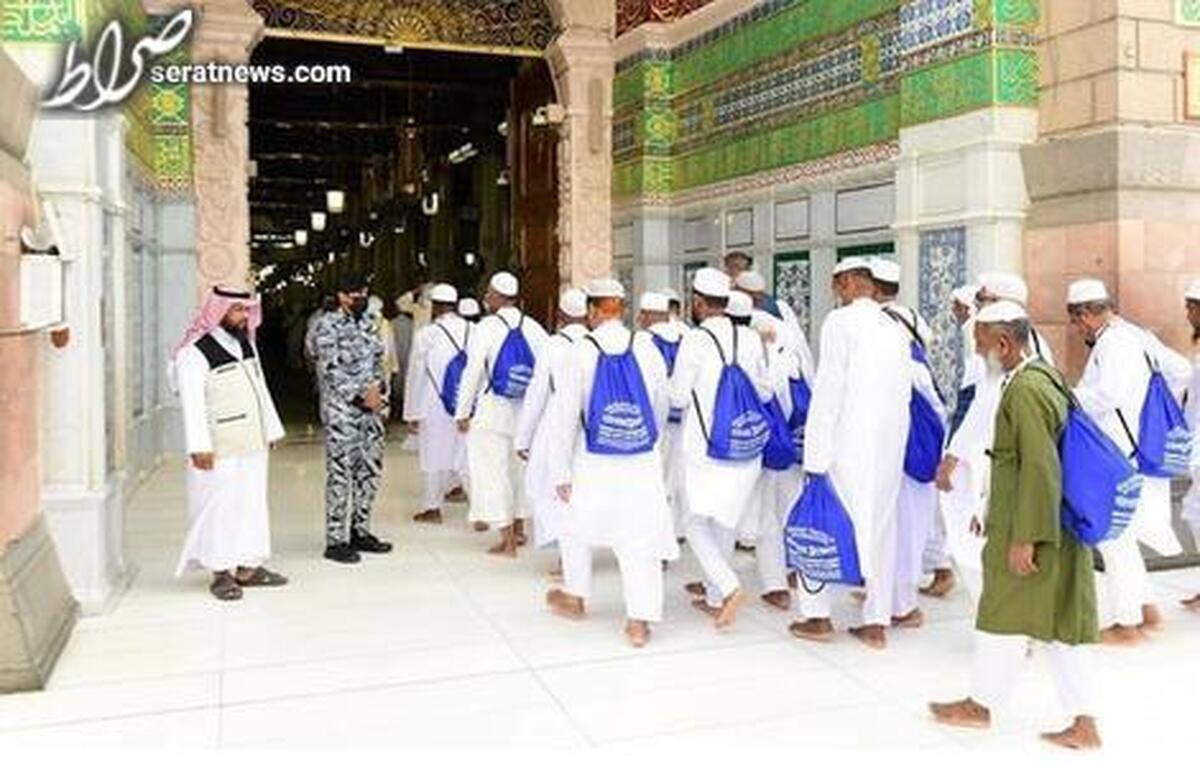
(227, 31)
(37, 612)
(581, 62)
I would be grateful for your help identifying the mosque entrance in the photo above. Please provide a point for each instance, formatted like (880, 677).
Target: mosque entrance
(428, 166)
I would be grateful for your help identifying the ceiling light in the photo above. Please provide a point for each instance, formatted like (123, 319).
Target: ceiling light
(469, 258)
(301, 237)
(335, 201)
(318, 221)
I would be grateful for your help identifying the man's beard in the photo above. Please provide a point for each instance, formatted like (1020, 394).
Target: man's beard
(994, 365)
(238, 331)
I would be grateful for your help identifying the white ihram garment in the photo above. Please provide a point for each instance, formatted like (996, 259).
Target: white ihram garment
(228, 517)
(671, 443)
(856, 433)
(617, 501)
(717, 490)
(491, 462)
(996, 669)
(1113, 386)
(535, 434)
(439, 442)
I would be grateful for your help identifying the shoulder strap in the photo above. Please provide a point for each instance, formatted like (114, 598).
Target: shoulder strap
(450, 337)
(910, 326)
(716, 342)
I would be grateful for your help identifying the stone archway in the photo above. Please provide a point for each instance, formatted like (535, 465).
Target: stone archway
(581, 64)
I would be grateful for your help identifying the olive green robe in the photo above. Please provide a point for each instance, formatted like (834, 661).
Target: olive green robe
(1058, 602)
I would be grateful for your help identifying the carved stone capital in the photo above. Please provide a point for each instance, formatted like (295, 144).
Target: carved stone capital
(226, 31)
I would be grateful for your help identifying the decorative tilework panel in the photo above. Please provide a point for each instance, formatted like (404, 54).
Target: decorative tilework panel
(942, 267)
(925, 23)
(40, 21)
(1188, 12)
(793, 284)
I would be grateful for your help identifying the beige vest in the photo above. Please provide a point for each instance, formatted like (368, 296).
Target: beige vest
(235, 410)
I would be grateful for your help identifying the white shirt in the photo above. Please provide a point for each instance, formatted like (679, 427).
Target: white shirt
(548, 373)
(434, 346)
(493, 412)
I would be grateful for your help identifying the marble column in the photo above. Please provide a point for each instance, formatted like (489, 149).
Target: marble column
(581, 62)
(227, 32)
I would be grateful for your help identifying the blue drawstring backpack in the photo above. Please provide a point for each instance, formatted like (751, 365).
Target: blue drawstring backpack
(819, 536)
(1164, 444)
(513, 369)
(926, 431)
(801, 399)
(620, 420)
(739, 430)
(451, 378)
(1101, 488)
(779, 454)
(771, 306)
(669, 351)
(965, 397)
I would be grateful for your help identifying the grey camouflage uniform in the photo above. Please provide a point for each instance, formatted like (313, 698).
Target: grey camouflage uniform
(349, 360)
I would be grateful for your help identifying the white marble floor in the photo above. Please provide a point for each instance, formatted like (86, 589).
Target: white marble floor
(439, 646)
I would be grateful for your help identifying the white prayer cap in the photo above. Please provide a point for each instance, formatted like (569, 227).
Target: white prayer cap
(850, 263)
(1001, 312)
(654, 302)
(965, 295)
(505, 283)
(467, 307)
(671, 295)
(711, 282)
(573, 303)
(1193, 291)
(443, 293)
(740, 305)
(750, 281)
(1086, 290)
(602, 288)
(885, 270)
(1004, 286)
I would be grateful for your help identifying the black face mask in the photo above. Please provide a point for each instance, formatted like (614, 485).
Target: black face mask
(358, 307)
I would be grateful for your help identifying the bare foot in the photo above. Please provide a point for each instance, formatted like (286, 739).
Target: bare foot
(914, 619)
(815, 629)
(638, 633)
(457, 495)
(871, 635)
(1192, 603)
(780, 599)
(964, 714)
(943, 582)
(518, 530)
(507, 546)
(695, 588)
(429, 517)
(480, 527)
(565, 605)
(728, 613)
(1080, 735)
(701, 604)
(1152, 620)
(1123, 636)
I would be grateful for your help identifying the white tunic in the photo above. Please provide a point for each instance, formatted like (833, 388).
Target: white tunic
(1113, 385)
(858, 419)
(492, 412)
(228, 518)
(671, 443)
(618, 501)
(715, 488)
(535, 434)
(434, 346)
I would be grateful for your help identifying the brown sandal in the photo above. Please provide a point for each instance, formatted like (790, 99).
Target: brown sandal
(225, 587)
(260, 576)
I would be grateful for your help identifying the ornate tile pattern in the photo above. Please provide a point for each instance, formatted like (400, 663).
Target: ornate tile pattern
(943, 266)
(791, 81)
(40, 21)
(793, 284)
(1188, 12)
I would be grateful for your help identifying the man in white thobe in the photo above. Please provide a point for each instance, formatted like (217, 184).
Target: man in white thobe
(654, 316)
(1111, 390)
(230, 423)
(917, 509)
(856, 434)
(468, 311)
(717, 490)
(616, 501)
(1191, 501)
(964, 474)
(535, 440)
(674, 310)
(439, 444)
(490, 420)
(775, 319)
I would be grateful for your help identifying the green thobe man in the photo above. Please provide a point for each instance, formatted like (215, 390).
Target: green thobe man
(1037, 578)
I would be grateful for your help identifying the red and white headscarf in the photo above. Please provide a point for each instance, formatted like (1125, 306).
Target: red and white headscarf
(212, 311)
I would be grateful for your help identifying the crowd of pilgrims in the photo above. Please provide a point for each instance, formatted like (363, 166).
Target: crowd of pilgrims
(714, 426)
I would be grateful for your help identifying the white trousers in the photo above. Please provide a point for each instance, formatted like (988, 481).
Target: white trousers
(1123, 586)
(779, 491)
(936, 556)
(641, 577)
(996, 665)
(712, 544)
(495, 487)
(437, 484)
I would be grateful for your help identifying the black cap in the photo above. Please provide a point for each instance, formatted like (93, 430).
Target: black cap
(351, 282)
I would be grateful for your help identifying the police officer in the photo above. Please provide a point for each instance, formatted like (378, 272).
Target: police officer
(353, 397)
